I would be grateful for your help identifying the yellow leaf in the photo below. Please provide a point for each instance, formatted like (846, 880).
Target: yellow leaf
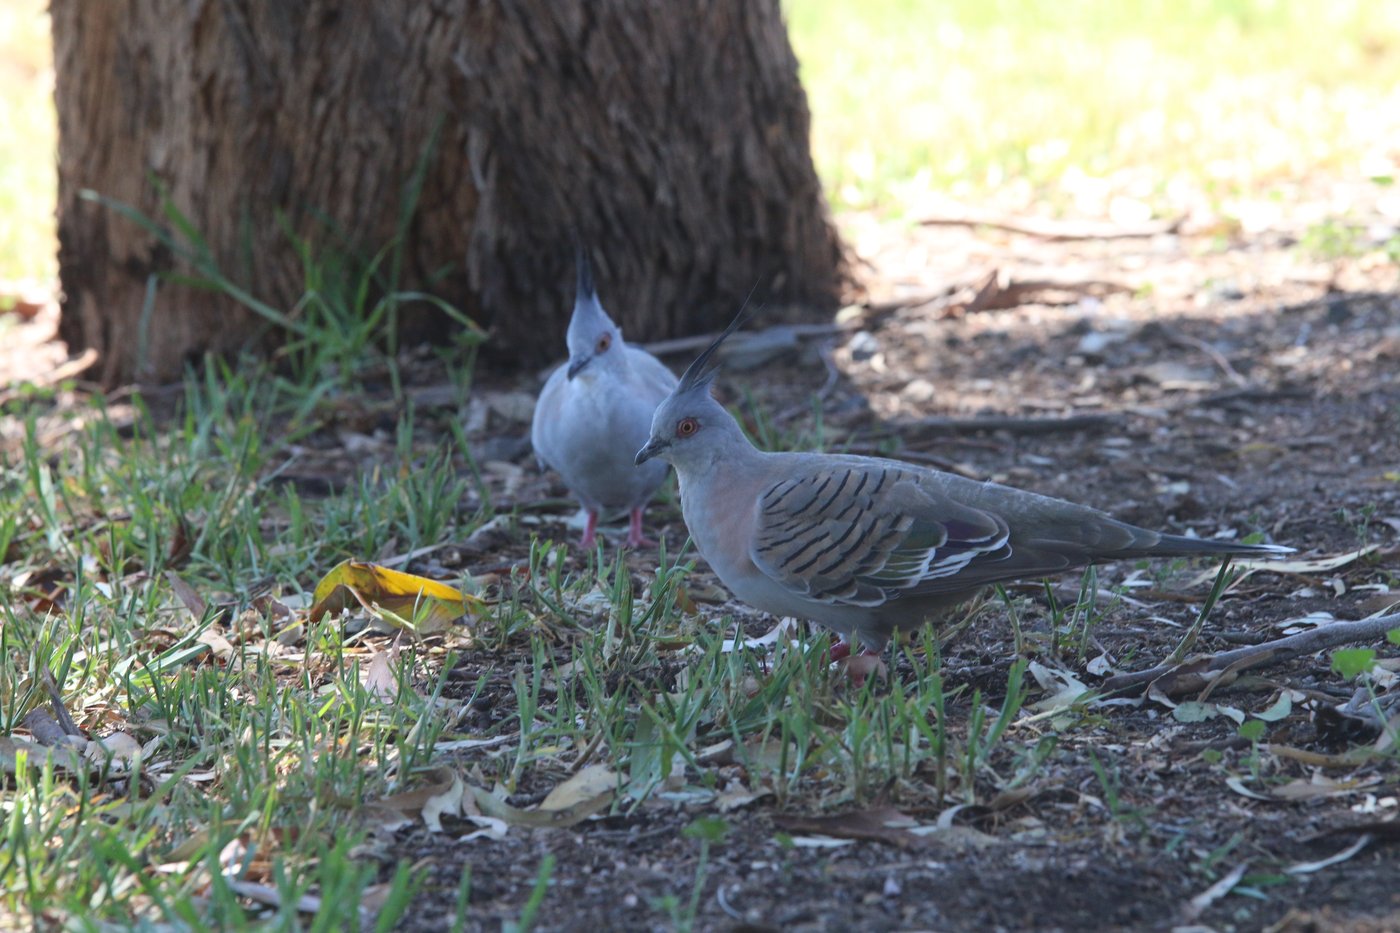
(428, 604)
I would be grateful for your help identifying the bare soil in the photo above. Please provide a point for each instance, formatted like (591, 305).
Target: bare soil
(1231, 385)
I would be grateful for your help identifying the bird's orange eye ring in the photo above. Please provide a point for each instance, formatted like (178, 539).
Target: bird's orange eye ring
(686, 427)
(604, 342)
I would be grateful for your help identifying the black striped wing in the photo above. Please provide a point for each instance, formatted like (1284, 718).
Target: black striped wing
(861, 534)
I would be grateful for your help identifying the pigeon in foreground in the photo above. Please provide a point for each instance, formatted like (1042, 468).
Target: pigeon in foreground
(595, 410)
(869, 546)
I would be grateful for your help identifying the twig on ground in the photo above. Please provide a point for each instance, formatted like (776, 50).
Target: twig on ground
(1057, 229)
(1198, 904)
(999, 291)
(1270, 652)
(1008, 423)
(701, 341)
(1249, 393)
(1216, 357)
(70, 369)
(919, 456)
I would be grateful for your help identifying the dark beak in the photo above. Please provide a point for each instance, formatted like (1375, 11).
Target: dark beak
(576, 365)
(652, 448)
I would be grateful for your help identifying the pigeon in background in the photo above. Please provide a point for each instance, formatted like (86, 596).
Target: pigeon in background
(868, 546)
(595, 411)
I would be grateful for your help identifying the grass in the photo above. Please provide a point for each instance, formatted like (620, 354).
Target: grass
(1093, 100)
(255, 763)
(28, 143)
(156, 567)
(264, 736)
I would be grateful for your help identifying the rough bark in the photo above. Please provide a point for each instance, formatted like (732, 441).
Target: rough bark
(671, 136)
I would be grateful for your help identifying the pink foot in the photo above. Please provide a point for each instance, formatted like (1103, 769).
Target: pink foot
(862, 666)
(590, 531)
(857, 666)
(635, 538)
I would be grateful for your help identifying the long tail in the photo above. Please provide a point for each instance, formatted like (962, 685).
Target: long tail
(1181, 546)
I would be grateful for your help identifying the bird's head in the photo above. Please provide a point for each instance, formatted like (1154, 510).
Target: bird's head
(689, 427)
(593, 338)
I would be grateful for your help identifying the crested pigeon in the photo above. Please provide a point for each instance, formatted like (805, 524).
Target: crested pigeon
(595, 409)
(868, 546)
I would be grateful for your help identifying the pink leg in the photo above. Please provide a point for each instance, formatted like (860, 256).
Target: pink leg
(590, 531)
(635, 538)
(861, 666)
(856, 668)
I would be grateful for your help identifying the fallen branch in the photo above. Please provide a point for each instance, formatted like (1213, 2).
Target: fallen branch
(1000, 291)
(737, 342)
(1270, 652)
(918, 456)
(1008, 423)
(1215, 356)
(1248, 394)
(70, 369)
(1057, 229)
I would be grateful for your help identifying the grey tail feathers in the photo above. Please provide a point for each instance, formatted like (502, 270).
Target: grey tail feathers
(586, 289)
(1181, 546)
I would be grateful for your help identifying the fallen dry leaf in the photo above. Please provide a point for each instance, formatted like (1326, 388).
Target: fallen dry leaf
(584, 786)
(880, 824)
(266, 894)
(446, 802)
(1294, 567)
(37, 756)
(1307, 868)
(821, 842)
(187, 595)
(380, 680)
(428, 802)
(785, 629)
(493, 806)
(1198, 904)
(1062, 688)
(119, 748)
(219, 646)
(1237, 785)
(736, 795)
(1319, 785)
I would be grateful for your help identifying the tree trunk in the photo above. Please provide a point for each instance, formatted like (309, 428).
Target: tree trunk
(670, 137)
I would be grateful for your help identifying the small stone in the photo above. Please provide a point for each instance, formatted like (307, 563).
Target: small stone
(863, 346)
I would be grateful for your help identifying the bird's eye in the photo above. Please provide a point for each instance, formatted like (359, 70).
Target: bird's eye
(686, 427)
(604, 342)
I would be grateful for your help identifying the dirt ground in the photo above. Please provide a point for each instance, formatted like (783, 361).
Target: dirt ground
(1218, 383)
(1211, 381)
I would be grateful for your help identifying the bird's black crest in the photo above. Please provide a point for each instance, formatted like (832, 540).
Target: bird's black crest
(696, 374)
(586, 289)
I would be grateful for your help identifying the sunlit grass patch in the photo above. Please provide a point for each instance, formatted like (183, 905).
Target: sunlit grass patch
(28, 143)
(1092, 100)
